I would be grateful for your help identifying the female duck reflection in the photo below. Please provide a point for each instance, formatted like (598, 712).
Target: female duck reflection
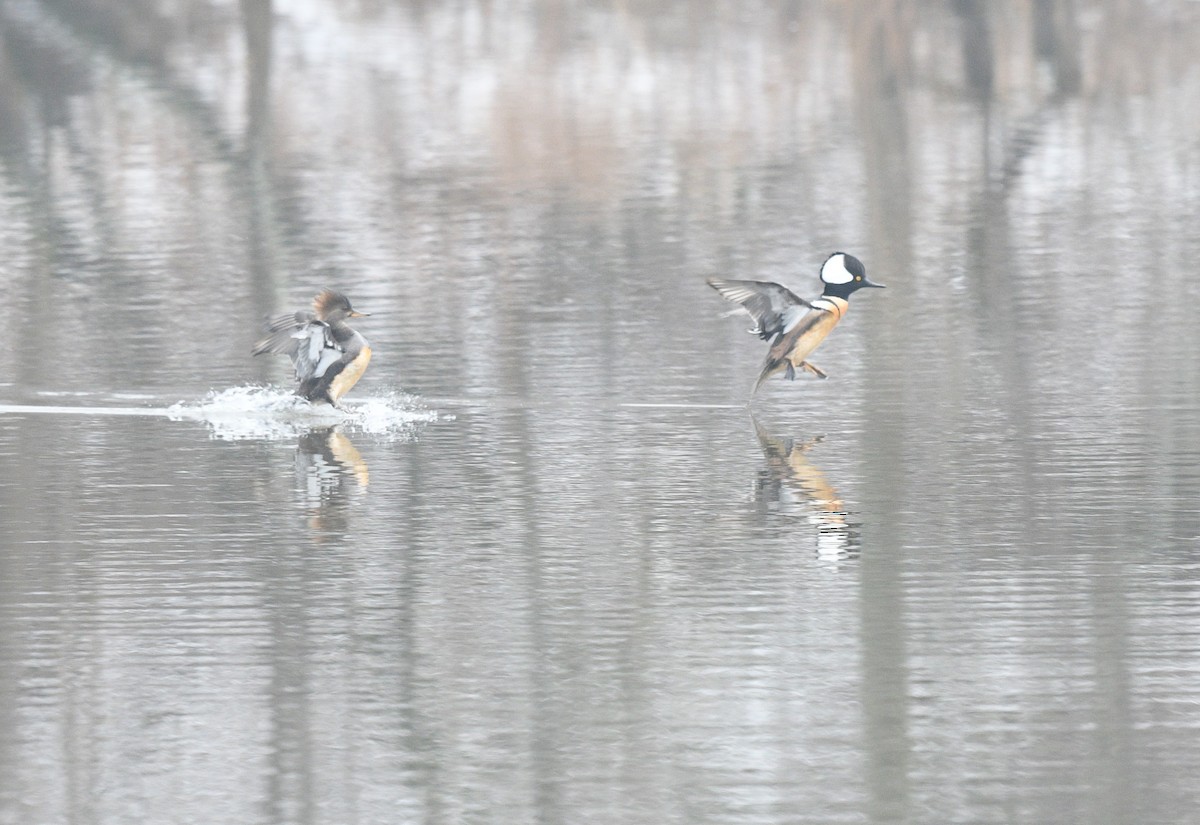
(790, 475)
(325, 463)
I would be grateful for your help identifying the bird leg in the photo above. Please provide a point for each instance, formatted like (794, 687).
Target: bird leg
(814, 369)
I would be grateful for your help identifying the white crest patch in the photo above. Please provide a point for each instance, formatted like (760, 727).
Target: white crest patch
(834, 271)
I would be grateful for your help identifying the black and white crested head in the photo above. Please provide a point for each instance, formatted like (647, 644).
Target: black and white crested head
(842, 273)
(840, 268)
(332, 306)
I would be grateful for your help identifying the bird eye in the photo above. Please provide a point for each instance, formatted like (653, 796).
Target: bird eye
(858, 277)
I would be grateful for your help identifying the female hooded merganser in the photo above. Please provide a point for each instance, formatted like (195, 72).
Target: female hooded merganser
(328, 355)
(779, 312)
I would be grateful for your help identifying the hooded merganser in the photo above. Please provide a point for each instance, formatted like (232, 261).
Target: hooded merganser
(789, 468)
(779, 312)
(329, 356)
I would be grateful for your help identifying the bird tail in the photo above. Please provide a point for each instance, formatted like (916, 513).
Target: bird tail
(770, 368)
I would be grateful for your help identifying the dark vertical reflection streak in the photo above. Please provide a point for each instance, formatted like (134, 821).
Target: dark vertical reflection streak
(1117, 786)
(544, 677)
(1056, 42)
(262, 240)
(977, 53)
(414, 542)
(290, 782)
(881, 76)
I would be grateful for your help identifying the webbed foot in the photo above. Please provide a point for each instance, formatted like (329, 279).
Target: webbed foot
(814, 369)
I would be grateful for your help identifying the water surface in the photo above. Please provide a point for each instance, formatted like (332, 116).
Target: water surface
(548, 566)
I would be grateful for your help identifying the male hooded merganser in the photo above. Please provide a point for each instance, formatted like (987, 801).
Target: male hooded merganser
(779, 312)
(328, 355)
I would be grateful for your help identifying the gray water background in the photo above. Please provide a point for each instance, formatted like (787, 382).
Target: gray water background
(959, 581)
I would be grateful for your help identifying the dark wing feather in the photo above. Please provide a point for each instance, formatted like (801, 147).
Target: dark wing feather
(308, 342)
(774, 308)
(281, 338)
(316, 351)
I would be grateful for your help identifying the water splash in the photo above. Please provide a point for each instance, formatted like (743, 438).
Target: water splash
(265, 412)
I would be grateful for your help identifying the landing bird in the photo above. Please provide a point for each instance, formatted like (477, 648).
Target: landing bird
(797, 326)
(329, 356)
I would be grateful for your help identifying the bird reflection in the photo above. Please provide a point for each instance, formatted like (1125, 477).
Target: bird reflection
(791, 481)
(328, 466)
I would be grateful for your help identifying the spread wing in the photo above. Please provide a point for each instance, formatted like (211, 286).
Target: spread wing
(308, 342)
(280, 339)
(774, 308)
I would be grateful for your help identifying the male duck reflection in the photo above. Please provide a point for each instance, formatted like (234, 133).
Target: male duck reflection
(329, 356)
(779, 312)
(788, 466)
